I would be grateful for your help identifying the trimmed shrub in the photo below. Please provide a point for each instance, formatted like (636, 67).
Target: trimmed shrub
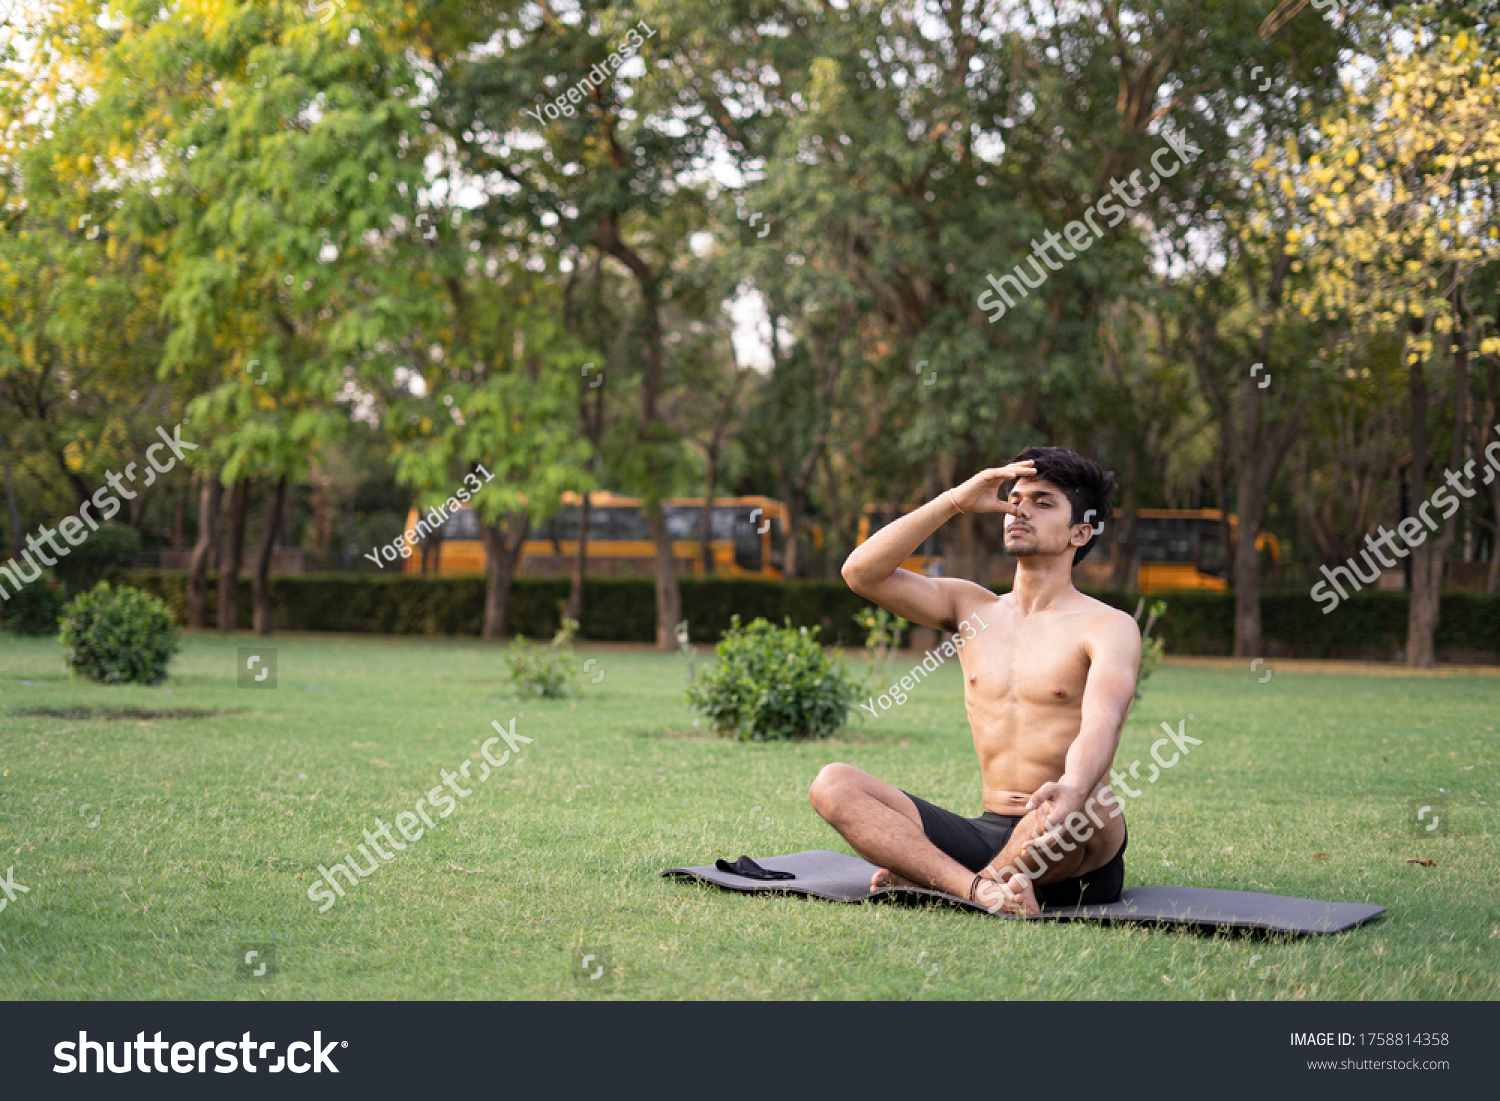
(772, 683)
(35, 609)
(118, 636)
(550, 672)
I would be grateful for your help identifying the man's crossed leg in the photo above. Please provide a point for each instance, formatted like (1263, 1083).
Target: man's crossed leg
(883, 824)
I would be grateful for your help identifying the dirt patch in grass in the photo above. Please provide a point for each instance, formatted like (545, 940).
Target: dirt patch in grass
(139, 714)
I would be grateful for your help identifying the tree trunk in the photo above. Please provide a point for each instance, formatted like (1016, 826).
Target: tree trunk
(1256, 450)
(260, 580)
(593, 427)
(1226, 533)
(1125, 569)
(574, 607)
(794, 497)
(1489, 433)
(322, 510)
(137, 508)
(209, 494)
(668, 594)
(1428, 559)
(648, 436)
(432, 550)
(13, 511)
(706, 524)
(1246, 572)
(843, 521)
(501, 555)
(231, 554)
(1492, 584)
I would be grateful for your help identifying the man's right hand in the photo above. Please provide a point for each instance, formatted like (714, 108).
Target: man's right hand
(981, 493)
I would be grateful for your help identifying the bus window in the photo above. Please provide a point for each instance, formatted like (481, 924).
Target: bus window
(1166, 540)
(463, 524)
(626, 522)
(565, 523)
(747, 542)
(682, 521)
(1211, 553)
(724, 521)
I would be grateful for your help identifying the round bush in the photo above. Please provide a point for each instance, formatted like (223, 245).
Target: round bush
(35, 609)
(772, 683)
(118, 635)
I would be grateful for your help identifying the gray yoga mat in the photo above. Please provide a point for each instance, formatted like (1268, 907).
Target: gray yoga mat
(839, 877)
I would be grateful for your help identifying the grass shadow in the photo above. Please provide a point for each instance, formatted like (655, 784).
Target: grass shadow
(132, 713)
(843, 737)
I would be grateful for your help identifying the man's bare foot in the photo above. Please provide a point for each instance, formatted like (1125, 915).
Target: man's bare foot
(884, 878)
(1014, 896)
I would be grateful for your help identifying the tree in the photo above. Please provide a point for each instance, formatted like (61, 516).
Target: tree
(907, 152)
(599, 168)
(506, 384)
(1406, 215)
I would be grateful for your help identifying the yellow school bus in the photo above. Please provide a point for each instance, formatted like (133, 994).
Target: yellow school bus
(1176, 548)
(747, 538)
(1184, 549)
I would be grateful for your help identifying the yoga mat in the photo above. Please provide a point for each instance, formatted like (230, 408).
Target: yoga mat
(839, 877)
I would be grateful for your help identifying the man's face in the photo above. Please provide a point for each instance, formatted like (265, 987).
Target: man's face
(1044, 520)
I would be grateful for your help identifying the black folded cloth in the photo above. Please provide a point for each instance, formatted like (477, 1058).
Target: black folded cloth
(748, 868)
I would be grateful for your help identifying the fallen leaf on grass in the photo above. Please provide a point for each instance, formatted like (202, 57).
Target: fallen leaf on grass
(1322, 854)
(1419, 860)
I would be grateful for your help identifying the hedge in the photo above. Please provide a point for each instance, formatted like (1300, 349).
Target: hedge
(614, 609)
(1368, 625)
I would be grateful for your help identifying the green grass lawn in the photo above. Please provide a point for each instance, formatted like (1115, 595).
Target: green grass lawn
(155, 849)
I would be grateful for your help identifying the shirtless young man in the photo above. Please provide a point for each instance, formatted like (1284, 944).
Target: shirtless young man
(1047, 687)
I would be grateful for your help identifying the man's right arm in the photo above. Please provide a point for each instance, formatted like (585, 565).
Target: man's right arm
(873, 569)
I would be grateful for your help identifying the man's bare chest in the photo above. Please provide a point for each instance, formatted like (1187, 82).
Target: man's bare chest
(1035, 660)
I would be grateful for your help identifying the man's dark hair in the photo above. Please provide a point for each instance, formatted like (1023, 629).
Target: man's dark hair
(1086, 484)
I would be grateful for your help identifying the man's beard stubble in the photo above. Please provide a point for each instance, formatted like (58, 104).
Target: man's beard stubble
(1017, 549)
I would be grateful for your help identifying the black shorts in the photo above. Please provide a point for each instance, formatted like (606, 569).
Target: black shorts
(974, 842)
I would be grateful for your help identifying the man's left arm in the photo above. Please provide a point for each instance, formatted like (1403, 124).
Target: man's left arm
(1114, 650)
